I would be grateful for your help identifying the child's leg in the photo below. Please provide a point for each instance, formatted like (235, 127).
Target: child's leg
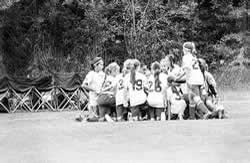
(102, 112)
(152, 113)
(119, 112)
(135, 112)
(192, 105)
(209, 103)
(158, 112)
(93, 111)
(183, 106)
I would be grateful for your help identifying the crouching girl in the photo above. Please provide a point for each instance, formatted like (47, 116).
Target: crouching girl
(209, 92)
(176, 102)
(106, 98)
(157, 87)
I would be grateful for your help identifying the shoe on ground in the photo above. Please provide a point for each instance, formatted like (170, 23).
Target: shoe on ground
(79, 119)
(93, 119)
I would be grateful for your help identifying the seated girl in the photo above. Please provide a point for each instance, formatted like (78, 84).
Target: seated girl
(175, 100)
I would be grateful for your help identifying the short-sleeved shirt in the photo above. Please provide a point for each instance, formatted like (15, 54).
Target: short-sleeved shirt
(176, 101)
(156, 93)
(95, 81)
(193, 73)
(136, 93)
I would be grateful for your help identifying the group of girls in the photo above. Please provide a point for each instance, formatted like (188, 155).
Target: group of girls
(167, 90)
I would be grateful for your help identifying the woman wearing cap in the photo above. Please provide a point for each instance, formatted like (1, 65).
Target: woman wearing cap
(157, 85)
(93, 82)
(194, 80)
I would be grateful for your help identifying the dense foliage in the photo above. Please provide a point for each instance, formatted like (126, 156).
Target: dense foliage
(63, 35)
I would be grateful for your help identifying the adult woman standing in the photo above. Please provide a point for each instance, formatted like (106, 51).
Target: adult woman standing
(93, 83)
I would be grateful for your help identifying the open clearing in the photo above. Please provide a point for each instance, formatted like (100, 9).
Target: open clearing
(56, 137)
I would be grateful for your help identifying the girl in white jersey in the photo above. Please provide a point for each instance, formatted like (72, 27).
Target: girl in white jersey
(194, 79)
(119, 97)
(175, 98)
(106, 99)
(135, 83)
(175, 70)
(157, 86)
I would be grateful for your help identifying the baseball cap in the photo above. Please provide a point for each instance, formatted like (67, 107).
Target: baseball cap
(95, 61)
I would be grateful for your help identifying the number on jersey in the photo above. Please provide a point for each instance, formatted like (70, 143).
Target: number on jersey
(120, 84)
(138, 85)
(156, 88)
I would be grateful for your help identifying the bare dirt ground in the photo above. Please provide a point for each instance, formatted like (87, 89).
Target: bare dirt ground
(56, 137)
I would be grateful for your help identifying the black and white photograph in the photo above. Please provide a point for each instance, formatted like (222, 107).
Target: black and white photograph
(131, 81)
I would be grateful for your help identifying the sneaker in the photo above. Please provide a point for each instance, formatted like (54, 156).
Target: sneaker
(108, 118)
(79, 119)
(206, 116)
(93, 119)
(101, 119)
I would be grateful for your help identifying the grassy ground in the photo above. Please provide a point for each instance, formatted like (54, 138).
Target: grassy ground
(56, 137)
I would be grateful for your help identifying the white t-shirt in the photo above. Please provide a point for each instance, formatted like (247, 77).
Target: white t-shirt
(193, 73)
(156, 94)
(177, 104)
(136, 93)
(94, 80)
(119, 97)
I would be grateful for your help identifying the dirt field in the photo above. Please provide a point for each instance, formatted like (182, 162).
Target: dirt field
(56, 137)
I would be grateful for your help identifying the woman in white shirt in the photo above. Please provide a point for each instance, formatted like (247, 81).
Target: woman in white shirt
(93, 83)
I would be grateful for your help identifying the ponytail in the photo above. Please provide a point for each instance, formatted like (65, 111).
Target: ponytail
(157, 78)
(157, 70)
(132, 76)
